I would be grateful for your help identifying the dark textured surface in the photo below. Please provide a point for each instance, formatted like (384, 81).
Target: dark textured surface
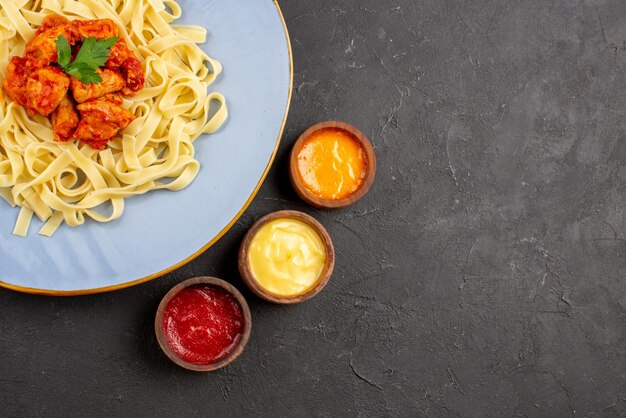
(483, 275)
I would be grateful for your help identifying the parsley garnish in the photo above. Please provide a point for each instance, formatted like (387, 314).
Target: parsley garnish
(92, 55)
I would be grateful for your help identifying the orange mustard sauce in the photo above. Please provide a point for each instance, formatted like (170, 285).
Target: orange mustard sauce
(332, 164)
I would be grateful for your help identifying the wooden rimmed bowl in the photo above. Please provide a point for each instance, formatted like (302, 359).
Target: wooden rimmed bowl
(296, 178)
(199, 281)
(327, 270)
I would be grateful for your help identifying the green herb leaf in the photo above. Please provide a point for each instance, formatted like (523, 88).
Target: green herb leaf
(84, 73)
(92, 55)
(95, 53)
(64, 52)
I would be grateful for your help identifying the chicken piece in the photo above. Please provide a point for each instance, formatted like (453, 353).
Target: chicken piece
(16, 79)
(64, 119)
(101, 119)
(42, 50)
(111, 82)
(119, 54)
(124, 60)
(134, 75)
(113, 98)
(46, 87)
(99, 29)
(52, 21)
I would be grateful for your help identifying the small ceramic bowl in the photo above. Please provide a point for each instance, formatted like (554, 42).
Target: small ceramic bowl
(162, 338)
(327, 270)
(317, 201)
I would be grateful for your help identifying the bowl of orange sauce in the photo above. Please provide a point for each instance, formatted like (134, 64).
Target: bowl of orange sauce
(332, 165)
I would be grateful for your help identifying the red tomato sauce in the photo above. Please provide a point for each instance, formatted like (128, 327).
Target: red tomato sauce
(203, 324)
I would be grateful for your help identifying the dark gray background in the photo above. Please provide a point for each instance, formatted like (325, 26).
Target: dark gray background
(483, 275)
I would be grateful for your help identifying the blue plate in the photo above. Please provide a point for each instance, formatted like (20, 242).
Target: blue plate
(162, 230)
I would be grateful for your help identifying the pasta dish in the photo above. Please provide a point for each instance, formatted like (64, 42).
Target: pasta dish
(101, 100)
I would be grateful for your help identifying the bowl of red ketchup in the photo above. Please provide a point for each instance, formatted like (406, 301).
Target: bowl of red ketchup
(203, 324)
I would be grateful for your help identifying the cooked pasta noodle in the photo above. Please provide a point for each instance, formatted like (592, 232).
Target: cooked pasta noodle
(66, 182)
